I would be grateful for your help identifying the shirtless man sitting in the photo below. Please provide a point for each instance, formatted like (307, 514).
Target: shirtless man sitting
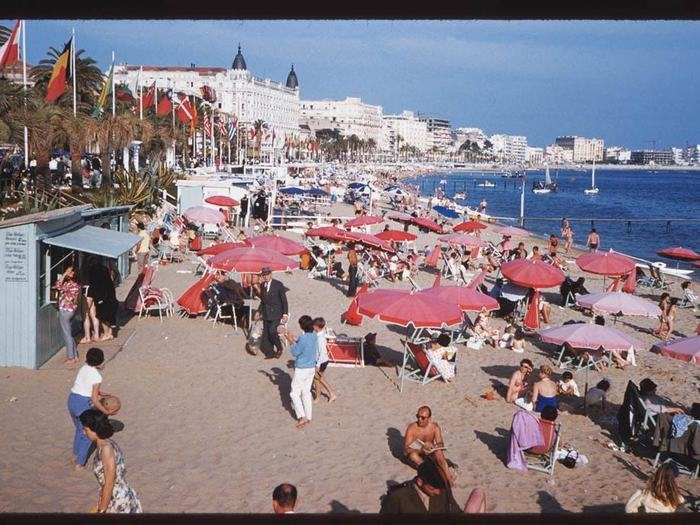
(427, 431)
(517, 386)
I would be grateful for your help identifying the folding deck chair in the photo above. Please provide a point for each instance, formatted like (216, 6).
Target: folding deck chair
(217, 303)
(580, 359)
(345, 351)
(668, 447)
(424, 371)
(545, 461)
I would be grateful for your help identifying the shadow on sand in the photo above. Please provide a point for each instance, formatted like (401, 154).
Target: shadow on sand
(283, 382)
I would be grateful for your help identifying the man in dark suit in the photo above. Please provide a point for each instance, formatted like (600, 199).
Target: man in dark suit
(274, 309)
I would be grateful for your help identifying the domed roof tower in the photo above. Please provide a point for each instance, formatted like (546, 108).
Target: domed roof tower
(292, 80)
(239, 61)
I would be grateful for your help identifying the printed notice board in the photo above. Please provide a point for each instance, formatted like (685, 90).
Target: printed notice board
(15, 257)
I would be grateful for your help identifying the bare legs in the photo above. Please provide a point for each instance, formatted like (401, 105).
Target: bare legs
(476, 502)
(323, 386)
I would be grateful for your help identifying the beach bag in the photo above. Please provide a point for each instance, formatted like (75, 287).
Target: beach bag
(569, 461)
(475, 343)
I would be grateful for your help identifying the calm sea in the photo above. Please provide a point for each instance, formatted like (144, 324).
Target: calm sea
(624, 194)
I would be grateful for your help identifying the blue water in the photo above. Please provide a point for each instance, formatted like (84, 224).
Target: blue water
(624, 194)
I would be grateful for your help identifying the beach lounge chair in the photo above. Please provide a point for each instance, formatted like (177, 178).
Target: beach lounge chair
(345, 351)
(218, 304)
(680, 450)
(423, 370)
(658, 279)
(579, 359)
(543, 459)
(156, 299)
(688, 300)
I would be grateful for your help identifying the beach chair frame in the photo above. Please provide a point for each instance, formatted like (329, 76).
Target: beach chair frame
(218, 305)
(156, 299)
(578, 362)
(335, 359)
(418, 374)
(545, 462)
(682, 466)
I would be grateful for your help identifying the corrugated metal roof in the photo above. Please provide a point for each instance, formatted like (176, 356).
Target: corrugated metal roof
(100, 241)
(44, 216)
(113, 210)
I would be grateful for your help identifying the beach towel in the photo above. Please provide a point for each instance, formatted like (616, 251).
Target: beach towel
(532, 317)
(679, 424)
(525, 433)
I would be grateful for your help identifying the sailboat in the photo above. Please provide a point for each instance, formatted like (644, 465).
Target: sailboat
(544, 187)
(592, 190)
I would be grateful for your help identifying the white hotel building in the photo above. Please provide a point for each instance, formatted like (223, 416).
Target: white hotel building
(238, 92)
(349, 117)
(410, 129)
(509, 148)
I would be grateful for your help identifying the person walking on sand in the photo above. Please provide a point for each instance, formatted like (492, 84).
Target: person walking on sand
(275, 311)
(86, 394)
(284, 498)
(593, 241)
(352, 271)
(567, 234)
(303, 350)
(423, 438)
(320, 382)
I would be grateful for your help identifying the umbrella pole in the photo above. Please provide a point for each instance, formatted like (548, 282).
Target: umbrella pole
(585, 390)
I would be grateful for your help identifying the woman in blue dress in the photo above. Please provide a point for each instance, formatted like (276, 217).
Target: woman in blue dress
(544, 391)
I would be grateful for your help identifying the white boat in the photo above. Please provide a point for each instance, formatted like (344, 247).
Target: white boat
(487, 184)
(663, 268)
(544, 187)
(592, 190)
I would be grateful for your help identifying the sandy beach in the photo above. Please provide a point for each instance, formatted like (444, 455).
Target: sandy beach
(209, 428)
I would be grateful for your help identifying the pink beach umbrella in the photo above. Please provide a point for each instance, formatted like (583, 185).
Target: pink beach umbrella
(203, 215)
(251, 260)
(532, 273)
(605, 263)
(402, 308)
(277, 243)
(588, 336)
(463, 240)
(468, 299)
(396, 236)
(687, 349)
(363, 220)
(618, 303)
(680, 254)
(370, 240)
(222, 200)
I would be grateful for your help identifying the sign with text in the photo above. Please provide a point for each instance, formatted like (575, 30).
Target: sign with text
(15, 257)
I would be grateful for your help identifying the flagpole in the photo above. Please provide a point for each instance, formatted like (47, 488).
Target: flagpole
(114, 102)
(155, 95)
(211, 136)
(24, 82)
(140, 93)
(73, 73)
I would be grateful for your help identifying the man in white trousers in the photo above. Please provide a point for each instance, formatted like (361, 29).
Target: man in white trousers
(304, 353)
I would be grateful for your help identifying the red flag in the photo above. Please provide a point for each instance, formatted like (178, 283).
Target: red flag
(207, 124)
(149, 98)
(60, 75)
(9, 52)
(164, 105)
(184, 108)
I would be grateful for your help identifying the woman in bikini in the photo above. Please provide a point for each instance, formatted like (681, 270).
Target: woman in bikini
(662, 329)
(544, 392)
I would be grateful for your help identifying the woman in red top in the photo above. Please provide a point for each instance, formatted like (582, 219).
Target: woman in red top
(69, 292)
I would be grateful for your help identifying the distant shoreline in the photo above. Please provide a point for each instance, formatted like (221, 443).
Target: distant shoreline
(572, 167)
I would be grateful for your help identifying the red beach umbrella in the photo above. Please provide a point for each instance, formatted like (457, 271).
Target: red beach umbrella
(469, 226)
(191, 300)
(589, 336)
(532, 274)
(512, 231)
(679, 253)
(370, 240)
(468, 299)
(396, 236)
(279, 244)
(251, 260)
(330, 233)
(427, 223)
(605, 263)
(463, 240)
(399, 217)
(222, 200)
(402, 307)
(363, 220)
(216, 249)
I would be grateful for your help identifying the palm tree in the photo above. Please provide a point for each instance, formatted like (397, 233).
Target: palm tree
(88, 79)
(371, 145)
(44, 123)
(110, 132)
(73, 134)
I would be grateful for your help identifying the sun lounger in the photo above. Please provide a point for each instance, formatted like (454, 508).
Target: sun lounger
(417, 366)
(579, 359)
(345, 351)
(543, 459)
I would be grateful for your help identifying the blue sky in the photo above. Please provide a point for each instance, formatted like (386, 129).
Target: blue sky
(627, 82)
